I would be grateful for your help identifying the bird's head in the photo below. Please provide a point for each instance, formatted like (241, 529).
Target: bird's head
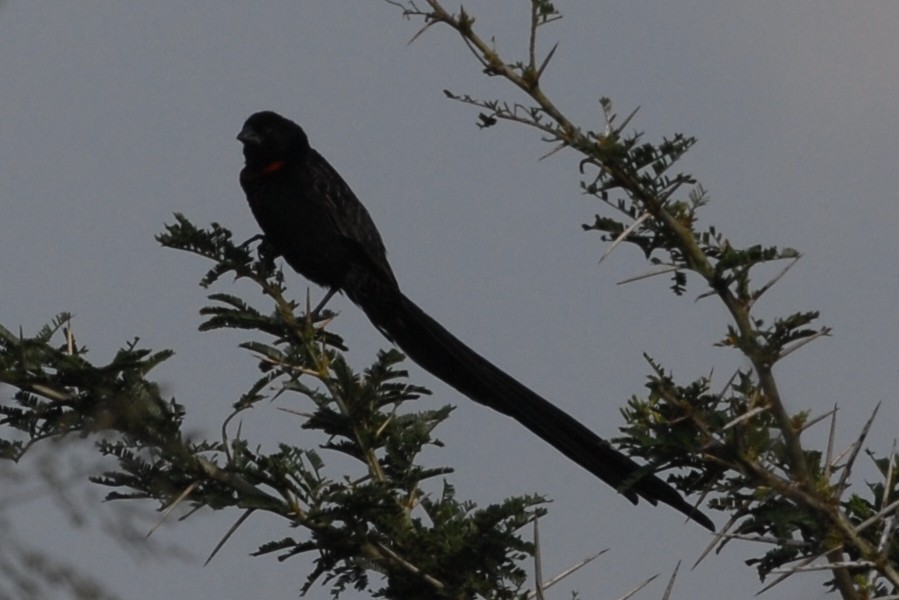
(268, 137)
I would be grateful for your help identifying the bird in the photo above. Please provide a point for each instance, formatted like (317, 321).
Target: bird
(312, 219)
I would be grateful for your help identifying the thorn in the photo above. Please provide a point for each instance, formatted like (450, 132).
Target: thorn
(233, 528)
(171, 507)
(825, 331)
(623, 235)
(745, 416)
(538, 563)
(758, 293)
(830, 443)
(546, 61)
(628, 119)
(568, 571)
(420, 31)
(722, 536)
(648, 275)
(876, 517)
(856, 447)
(631, 593)
(807, 561)
(553, 151)
(816, 420)
(670, 586)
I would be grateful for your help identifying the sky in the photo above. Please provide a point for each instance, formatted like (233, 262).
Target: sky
(113, 116)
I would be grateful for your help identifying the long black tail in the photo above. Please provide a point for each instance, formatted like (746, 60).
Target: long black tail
(430, 345)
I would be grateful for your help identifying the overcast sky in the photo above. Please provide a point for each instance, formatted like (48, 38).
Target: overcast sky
(114, 115)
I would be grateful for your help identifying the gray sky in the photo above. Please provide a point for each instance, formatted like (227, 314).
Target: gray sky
(115, 115)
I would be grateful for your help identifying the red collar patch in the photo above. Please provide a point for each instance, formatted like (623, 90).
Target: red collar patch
(248, 176)
(273, 167)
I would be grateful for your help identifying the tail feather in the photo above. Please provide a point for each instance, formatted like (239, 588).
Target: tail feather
(434, 348)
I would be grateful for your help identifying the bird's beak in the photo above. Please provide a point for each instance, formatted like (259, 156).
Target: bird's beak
(248, 136)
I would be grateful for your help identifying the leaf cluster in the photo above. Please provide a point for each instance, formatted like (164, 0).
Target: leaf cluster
(385, 524)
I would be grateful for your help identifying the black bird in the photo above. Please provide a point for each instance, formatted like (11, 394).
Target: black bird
(310, 216)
